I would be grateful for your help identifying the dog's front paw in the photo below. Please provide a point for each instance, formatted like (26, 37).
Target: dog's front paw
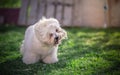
(50, 60)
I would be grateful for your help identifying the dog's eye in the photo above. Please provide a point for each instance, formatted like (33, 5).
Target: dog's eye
(56, 30)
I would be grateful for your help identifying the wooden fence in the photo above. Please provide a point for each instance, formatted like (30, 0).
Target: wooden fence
(86, 13)
(32, 10)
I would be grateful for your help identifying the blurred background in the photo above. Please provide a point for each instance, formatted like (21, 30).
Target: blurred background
(80, 13)
(92, 47)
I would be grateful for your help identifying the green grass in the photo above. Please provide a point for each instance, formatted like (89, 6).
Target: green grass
(10, 3)
(86, 52)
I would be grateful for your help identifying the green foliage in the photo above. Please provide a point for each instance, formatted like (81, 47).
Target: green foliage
(10, 3)
(86, 52)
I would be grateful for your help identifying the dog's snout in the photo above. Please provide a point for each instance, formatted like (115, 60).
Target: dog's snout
(56, 37)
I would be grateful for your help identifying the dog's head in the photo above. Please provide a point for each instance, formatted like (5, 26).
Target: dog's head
(48, 31)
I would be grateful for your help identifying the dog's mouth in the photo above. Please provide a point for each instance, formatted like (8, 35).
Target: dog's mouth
(56, 40)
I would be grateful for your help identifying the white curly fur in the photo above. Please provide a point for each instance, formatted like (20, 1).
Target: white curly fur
(40, 42)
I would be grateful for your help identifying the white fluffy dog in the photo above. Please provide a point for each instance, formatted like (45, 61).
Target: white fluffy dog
(41, 41)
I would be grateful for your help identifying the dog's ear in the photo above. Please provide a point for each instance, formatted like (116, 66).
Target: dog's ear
(64, 34)
(38, 31)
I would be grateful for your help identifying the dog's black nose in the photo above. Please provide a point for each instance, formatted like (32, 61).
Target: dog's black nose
(56, 37)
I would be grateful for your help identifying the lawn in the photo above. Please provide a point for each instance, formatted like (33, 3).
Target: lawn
(87, 51)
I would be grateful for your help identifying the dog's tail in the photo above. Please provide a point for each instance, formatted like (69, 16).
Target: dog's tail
(22, 47)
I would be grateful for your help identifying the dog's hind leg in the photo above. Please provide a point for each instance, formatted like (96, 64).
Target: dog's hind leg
(30, 58)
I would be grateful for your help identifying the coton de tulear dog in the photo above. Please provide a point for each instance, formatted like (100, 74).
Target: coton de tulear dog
(41, 41)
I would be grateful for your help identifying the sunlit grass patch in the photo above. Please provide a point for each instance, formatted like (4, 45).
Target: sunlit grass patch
(87, 51)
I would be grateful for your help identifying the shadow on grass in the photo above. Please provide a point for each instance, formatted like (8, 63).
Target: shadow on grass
(113, 69)
(17, 67)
